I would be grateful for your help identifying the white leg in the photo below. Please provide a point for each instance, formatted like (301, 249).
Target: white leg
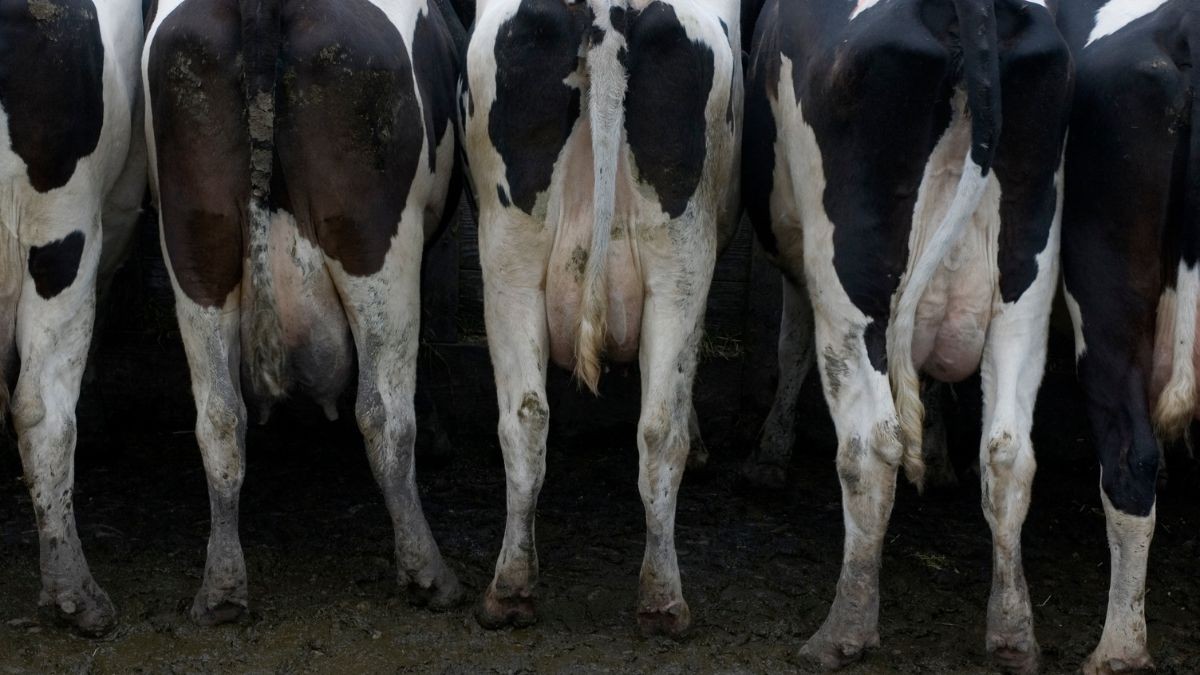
(515, 313)
(213, 346)
(869, 452)
(384, 314)
(767, 464)
(671, 333)
(1013, 362)
(53, 335)
(1122, 646)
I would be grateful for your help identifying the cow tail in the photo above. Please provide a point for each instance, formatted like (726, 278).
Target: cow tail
(981, 70)
(606, 110)
(262, 36)
(1176, 404)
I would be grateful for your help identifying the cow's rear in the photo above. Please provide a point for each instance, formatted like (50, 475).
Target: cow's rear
(606, 185)
(303, 153)
(901, 160)
(1131, 248)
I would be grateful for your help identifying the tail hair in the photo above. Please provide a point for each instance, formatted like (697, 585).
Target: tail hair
(262, 39)
(606, 110)
(981, 66)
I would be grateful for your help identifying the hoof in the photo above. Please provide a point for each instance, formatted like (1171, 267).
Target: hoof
(761, 475)
(494, 612)
(88, 611)
(1017, 655)
(444, 593)
(225, 612)
(1106, 664)
(673, 621)
(829, 653)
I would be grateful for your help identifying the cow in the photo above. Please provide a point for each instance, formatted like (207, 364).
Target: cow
(72, 177)
(301, 153)
(603, 140)
(902, 163)
(1131, 242)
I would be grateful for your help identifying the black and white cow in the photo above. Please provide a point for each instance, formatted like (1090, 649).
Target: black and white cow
(880, 174)
(603, 140)
(72, 177)
(302, 151)
(1131, 243)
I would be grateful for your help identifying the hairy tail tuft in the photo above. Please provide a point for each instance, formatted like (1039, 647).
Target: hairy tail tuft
(606, 108)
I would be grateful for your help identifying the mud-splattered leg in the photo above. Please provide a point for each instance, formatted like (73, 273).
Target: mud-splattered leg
(1013, 362)
(670, 338)
(213, 345)
(767, 464)
(53, 331)
(868, 456)
(384, 314)
(515, 313)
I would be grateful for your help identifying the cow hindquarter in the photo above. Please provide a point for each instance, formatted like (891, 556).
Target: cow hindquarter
(1129, 263)
(67, 89)
(298, 176)
(601, 210)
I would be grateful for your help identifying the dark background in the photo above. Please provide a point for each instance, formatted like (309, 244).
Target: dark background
(758, 568)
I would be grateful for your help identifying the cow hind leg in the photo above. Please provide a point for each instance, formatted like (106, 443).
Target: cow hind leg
(1013, 362)
(386, 335)
(671, 337)
(1012, 369)
(868, 456)
(54, 330)
(767, 464)
(1115, 377)
(211, 340)
(518, 341)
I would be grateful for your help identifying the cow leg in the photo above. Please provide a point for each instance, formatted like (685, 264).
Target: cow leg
(935, 448)
(1013, 361)
(387, 336)
(670, 338)
(1012, 370)
(767, 464)
(1122, 647)
(212, 343)
(518, 341)
(1114, 370)
(869, 452)
(53, 334)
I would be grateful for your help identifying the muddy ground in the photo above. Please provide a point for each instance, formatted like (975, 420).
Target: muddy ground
(758, 569)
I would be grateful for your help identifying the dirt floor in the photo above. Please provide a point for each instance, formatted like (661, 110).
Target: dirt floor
(758, 570)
